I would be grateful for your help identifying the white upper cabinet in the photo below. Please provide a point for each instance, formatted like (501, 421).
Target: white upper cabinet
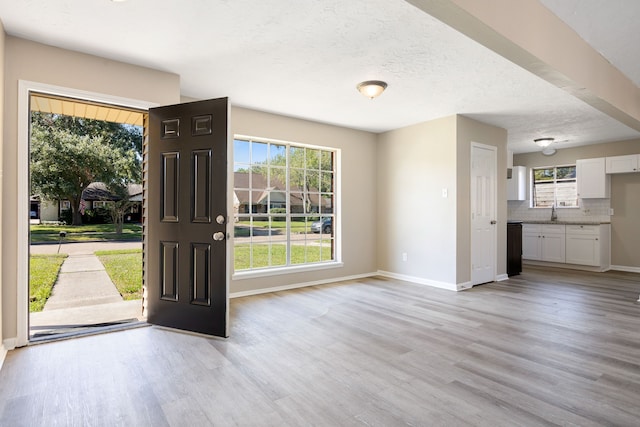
(517, 184)
(593, 181)
(623, 164)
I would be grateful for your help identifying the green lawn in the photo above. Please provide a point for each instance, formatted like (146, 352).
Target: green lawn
(83, 233)
(43, 272)
(263, 256)
(124, 267)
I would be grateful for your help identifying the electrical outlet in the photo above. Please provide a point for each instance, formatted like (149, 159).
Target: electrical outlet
(610, 211)
(404, 256)
(445, 193)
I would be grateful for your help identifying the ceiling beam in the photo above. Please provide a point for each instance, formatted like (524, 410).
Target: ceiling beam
(529, 35)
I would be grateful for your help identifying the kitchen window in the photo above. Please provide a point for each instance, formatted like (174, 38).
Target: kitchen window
(554, 186)
(284, 204)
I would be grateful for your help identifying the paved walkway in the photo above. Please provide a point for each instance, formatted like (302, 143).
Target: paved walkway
(83, 295)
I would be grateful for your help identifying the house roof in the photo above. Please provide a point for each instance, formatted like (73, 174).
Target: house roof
(262, 189)
(99, 191)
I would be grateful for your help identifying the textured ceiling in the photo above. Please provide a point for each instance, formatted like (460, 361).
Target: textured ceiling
(303, 58)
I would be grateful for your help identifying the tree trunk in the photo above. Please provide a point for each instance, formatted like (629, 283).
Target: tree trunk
(119, 223)
(77, 217)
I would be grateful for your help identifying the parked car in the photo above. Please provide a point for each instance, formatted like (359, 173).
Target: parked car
(325, 226)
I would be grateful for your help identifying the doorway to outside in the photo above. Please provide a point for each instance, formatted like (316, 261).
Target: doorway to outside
(85, 207)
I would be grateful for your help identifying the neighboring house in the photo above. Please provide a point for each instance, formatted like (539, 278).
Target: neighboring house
(95, 196)
(272, 195)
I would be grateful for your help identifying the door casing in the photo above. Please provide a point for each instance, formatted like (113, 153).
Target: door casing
(24, 90)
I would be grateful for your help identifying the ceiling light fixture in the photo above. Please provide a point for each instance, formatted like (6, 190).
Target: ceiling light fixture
(543, 142)
(371, 88)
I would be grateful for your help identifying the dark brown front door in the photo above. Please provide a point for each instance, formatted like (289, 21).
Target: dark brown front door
(187, 216)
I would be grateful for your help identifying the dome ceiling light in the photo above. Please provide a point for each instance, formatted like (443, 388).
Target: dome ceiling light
(371, 88)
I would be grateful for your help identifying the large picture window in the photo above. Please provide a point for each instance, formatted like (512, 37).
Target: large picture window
(284, 204)
(554, 186)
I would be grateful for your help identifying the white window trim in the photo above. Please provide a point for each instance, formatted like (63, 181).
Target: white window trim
(532, 182)
(337, 206)
(277, 271)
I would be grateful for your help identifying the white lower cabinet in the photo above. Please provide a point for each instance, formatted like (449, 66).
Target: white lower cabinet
(543, 242)
(587, 245)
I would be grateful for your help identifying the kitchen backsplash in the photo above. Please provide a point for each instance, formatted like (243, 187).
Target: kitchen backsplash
(596, 210)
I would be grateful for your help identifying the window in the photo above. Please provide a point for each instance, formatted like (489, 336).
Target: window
(104, 204)
(284, 204)
(65, 205)
(554, 185)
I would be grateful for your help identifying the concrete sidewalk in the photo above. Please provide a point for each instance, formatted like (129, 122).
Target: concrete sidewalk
(83, 295)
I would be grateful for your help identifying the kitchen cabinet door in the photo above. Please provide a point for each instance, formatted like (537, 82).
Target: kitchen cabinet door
(516, 185)
(553, 247)
(593, 182)
(583, 250)
(623, 164)
(531, 246)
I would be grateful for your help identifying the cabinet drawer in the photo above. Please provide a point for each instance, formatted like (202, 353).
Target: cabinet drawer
(553, 229)
(531, 228)
(591, 230)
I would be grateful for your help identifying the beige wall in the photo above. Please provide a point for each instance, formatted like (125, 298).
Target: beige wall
(358, 192)
(25, 60)
(469, 131)
(625, 191)
(414, 165)
(2, 60)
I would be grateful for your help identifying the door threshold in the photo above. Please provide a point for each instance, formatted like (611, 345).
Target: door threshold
(75, 331)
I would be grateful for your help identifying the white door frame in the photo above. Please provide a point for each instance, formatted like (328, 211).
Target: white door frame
(495, 208)
(24, 89)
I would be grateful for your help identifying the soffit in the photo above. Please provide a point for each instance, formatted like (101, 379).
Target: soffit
(70, 107)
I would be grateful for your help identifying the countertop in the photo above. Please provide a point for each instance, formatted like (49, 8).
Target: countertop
(569, 222)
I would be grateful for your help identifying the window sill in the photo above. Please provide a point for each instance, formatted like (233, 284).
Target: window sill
(252, 274)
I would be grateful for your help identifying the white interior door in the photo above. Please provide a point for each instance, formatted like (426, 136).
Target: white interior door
(483, 213)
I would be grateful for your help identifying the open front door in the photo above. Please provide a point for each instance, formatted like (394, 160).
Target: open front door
(187, 215)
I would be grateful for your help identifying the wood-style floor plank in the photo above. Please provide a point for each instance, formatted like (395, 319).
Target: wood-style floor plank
(548, 347)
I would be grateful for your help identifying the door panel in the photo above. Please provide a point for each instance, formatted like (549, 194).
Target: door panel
(187, 286)
(483, 214)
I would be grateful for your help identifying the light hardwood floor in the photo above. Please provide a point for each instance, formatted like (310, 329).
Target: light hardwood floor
(543, 348)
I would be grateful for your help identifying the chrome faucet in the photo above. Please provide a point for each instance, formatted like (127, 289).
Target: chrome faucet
(554, 215)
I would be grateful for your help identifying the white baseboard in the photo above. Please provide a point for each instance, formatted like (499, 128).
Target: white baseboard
(421, 281)
(298, 285)
(501, 277)
(625, 268)
(3, 354)
(5, 346)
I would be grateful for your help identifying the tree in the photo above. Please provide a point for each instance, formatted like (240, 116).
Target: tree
(119, 207)
(310, 171)
(63, 163)
(121, 136)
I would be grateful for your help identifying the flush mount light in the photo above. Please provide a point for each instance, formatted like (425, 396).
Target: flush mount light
(371, 88)
(543, 142)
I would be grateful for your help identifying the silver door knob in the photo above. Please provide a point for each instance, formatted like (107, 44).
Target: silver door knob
(220, 219)
(217, 236)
